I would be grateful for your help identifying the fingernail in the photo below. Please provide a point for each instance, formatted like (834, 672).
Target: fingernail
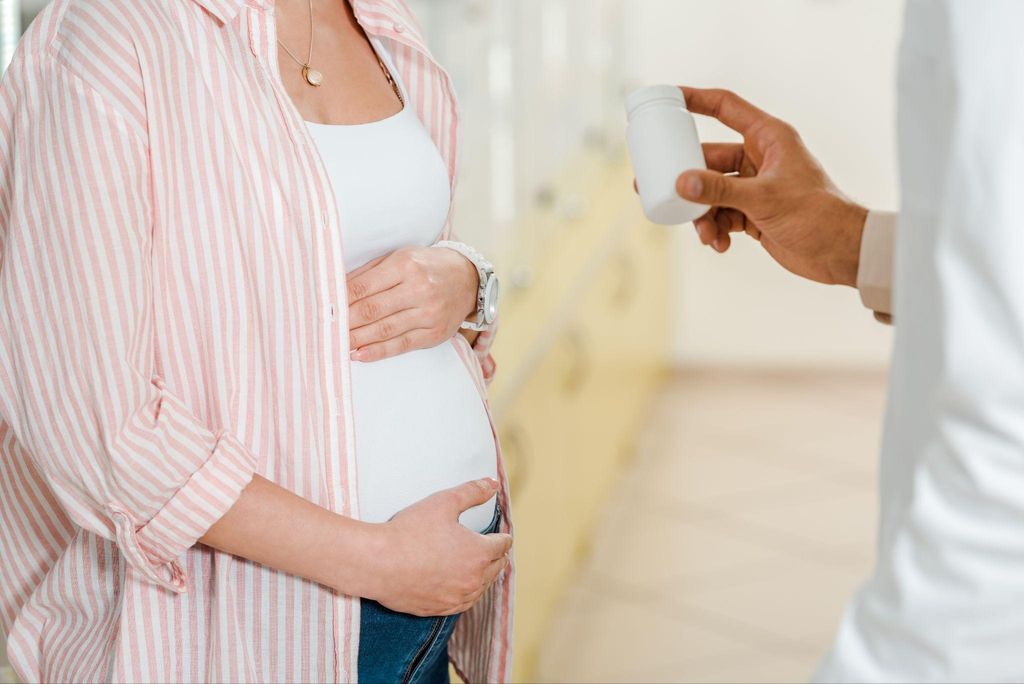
(693, 187)
(358, 355)
(487, 483)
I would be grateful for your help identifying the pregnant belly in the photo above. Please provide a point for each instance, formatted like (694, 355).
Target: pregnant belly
(420, 427)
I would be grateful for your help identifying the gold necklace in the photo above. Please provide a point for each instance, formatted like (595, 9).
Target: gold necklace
(313, 77)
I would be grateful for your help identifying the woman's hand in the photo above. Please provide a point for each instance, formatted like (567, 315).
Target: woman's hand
(414, 298)
(429, 564)
(421, 562)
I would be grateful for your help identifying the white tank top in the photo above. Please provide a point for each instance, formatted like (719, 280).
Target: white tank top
(420, 424)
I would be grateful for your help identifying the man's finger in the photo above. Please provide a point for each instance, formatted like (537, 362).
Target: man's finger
(379, 278)
(384, 329)
(722, 243)
(727, 107)
(706, 229)
(724, 157)
(713, 228)
(730, 221)
(733, 221)
(715, 189)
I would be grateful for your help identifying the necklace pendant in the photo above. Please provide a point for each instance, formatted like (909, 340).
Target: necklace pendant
(312, 76)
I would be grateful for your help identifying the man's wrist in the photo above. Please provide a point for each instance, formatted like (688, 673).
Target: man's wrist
(845, 263)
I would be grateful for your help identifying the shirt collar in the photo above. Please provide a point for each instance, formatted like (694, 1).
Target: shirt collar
(226, 10)
(383, 18)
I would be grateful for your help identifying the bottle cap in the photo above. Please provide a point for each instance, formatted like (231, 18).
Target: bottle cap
(659, 93)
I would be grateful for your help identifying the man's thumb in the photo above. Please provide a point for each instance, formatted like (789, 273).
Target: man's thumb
(715, 189)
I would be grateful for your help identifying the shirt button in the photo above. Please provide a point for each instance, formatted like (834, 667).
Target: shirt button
(399, 27)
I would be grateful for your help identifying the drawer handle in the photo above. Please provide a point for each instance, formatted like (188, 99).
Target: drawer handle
(546, 196)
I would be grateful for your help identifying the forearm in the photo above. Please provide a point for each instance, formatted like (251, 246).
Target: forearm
(272, 526)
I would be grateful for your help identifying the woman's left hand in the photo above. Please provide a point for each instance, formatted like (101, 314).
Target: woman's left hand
(414, 298)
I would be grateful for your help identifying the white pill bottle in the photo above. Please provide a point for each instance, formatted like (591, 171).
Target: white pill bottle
(663, 143)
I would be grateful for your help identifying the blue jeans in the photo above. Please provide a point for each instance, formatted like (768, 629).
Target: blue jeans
(396, 648)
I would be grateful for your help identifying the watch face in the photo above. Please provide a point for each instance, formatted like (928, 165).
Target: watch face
(491, 295)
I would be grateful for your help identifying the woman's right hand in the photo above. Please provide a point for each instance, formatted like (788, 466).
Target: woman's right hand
(429, 564)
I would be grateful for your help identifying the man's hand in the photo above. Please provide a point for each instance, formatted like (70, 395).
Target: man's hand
(780, 195)
(430, 564)
(415, 298)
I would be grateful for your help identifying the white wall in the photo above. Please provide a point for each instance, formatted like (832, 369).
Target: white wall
(827, 66)
(10, 29)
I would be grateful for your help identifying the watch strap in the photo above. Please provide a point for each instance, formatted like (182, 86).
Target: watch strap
(485, 270)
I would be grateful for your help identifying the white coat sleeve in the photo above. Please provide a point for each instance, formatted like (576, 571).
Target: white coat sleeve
(946, 600)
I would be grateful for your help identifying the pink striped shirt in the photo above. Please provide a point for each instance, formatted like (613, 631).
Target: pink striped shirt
(173, 318)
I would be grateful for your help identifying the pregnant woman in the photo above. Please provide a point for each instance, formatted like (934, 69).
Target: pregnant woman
(243, 433)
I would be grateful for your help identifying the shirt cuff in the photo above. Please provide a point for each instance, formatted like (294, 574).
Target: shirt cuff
(875, 274)
(153, 549)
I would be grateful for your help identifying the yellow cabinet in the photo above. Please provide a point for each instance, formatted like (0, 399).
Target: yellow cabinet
(579, 355)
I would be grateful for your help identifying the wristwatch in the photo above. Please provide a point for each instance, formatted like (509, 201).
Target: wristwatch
(488, 291)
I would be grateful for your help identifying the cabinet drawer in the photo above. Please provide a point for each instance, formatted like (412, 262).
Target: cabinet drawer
(569, 429)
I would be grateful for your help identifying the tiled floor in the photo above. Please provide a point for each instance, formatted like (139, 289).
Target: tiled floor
(728, 551)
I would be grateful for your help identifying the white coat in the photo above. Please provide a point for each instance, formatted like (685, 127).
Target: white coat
(946, 601)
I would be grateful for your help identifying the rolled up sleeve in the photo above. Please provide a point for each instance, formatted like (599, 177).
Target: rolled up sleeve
(81, 389)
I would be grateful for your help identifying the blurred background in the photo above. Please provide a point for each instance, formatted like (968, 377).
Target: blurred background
(691, 438)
